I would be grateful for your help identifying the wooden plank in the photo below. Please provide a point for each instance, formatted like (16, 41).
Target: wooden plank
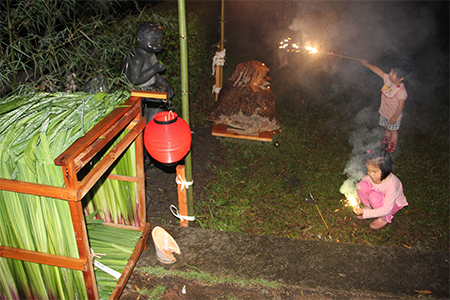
(182, 195)
(39, 189)
(149, 94)
(131, 263)
(140, 175)
(123, 178)
(92, 135)
(81, 237)
(102, 166)
(91, 150)
(225, 131)
(43, 258)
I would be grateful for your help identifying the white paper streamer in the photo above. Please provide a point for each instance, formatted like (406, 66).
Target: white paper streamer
(106, 269)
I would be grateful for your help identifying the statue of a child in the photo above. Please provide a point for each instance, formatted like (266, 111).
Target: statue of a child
(141, 66)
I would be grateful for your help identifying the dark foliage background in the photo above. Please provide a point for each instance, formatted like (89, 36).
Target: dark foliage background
(61, 45)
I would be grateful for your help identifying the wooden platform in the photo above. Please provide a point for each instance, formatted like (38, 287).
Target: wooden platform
(226, 131)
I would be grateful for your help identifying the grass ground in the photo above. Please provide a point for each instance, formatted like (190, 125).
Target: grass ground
(162, 283)
(261, 189)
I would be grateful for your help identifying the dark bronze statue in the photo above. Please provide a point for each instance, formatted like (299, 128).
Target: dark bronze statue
(143, 69)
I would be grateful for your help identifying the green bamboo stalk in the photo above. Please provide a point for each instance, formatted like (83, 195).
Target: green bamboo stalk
(185, 96)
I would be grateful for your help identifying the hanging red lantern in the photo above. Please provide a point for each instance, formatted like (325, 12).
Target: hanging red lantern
(167, 138)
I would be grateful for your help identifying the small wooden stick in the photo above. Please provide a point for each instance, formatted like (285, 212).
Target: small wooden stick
(182, 197)
(218, 68)
(321, 216)
(149, 94)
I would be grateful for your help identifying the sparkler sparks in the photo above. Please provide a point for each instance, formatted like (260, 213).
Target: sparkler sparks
(292, 46)
(352, 201)
(311, 49)
(348, 188)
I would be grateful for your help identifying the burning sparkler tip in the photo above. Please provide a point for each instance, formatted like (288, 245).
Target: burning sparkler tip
(295, 48)
(311, 49)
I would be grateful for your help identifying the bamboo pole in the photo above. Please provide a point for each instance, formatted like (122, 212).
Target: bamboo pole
(219, 68)
(222, 37)
(185, 95)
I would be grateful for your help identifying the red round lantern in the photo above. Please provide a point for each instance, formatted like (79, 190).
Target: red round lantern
(167, 138)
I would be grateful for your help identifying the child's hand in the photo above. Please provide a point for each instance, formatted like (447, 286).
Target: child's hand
(358, 211)
(365, 62)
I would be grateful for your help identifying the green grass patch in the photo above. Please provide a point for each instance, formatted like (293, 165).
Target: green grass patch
(156, 293)
(208, 279)
(261, 189)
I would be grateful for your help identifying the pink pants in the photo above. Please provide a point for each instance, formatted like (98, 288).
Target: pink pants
(374, 199)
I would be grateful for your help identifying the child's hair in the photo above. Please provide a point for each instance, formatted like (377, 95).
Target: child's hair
(402, 70)
(381, 158)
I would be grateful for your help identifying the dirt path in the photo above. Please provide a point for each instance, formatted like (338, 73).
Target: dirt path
(180, 288)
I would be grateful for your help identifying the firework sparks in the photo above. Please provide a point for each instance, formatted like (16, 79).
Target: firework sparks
(311, 49)
(348, 188)
(352, 201)
(288, 45)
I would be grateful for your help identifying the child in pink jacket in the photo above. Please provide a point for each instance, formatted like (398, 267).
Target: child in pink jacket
(380, 191)
(393, 97)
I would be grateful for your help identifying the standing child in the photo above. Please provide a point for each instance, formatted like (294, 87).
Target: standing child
(393, 97)
(380, 191)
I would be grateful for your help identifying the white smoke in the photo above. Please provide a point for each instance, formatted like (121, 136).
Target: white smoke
(361, 140)
(364, 29)
(382, 32)
(372, 30)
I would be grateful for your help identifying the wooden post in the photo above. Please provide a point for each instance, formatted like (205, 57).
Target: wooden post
(218, 79)
(182, 198)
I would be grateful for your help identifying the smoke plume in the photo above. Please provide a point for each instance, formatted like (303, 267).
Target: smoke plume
(361, 140)
(384, 33)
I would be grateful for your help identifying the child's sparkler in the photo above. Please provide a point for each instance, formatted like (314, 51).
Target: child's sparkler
(286, 44)
(338, 55)
(348, 188)
(352, 201)
(311, 200)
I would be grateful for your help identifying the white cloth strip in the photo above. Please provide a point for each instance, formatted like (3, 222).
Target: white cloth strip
(216, 90)
(184, 183)
(218, 60)
(175, 212)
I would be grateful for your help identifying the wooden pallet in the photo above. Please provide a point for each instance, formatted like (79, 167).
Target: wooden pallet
(226, 131)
